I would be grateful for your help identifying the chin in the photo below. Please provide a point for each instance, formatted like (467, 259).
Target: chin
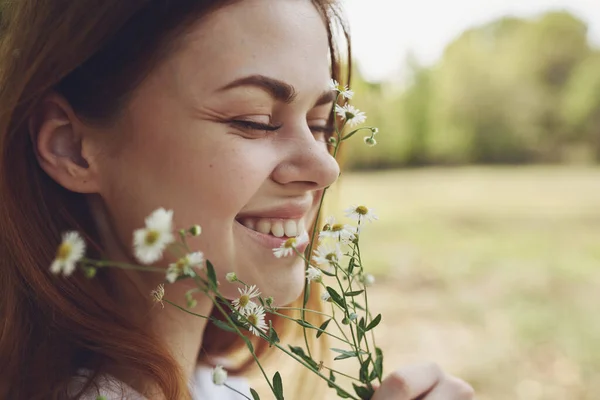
(283, 284)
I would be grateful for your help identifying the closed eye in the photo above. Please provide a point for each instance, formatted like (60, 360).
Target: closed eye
(255, 126)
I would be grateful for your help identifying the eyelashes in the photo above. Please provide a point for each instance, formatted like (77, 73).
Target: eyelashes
(255, 126)
(260, 129)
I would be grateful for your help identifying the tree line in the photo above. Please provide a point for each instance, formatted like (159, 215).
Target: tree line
(512, 91)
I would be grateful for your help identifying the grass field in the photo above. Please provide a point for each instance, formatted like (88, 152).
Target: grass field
(493, 273)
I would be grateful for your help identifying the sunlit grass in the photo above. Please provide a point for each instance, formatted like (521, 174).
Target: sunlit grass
(494, 272)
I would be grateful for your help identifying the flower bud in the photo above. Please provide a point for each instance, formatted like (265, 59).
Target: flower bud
(231, 277)
(195, 230)
(219, 375)
(370, 141)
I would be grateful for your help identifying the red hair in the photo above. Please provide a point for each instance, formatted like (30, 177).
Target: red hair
(94, 54)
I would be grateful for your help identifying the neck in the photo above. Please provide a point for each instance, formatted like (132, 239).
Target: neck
(180, 331)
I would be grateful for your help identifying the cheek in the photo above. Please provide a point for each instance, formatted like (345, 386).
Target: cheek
(205, 177)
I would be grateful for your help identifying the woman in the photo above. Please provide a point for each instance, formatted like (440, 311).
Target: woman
(218, 110)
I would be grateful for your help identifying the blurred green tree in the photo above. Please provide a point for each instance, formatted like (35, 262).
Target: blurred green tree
(511, 91)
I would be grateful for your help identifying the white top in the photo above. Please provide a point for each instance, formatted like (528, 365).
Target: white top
(201, 388)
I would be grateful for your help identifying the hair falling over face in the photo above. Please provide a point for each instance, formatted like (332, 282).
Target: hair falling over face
(94, 54)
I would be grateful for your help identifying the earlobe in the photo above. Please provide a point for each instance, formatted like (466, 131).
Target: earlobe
(59, 138)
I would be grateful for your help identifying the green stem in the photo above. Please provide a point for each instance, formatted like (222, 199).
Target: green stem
(237, 391)
(341, 373)
(185, 309)
(246, 340)
(367, 312)
(316, 328)
(106, 263)
(301, 361)
(348, 136)
(314, 230)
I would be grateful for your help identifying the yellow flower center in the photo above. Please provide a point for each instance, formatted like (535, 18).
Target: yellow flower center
(244, 300)
(182, 262)
(290, 243)
(151, 237)
(337, 227)
(64, 251)
(253, 319)
(362, 210)
(331, 257)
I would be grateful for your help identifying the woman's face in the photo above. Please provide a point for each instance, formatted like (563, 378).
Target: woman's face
(191, 140)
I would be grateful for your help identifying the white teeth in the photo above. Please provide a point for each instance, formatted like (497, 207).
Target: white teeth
(249, 223)
(300, 228)
(263, 226)
(291, 228)
(277, 229)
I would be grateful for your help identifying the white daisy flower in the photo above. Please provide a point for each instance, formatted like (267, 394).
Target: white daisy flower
(244, 303)
(288, 247)
(183, 266)
(70, 251)
(256, 319)
(231, 277)
(219, 375)
(328, 254)
(158, 294)
(343, 90)
(313, 274)
(150, 242)
(361, 213)
(352, 115)
(325, 296)
(341, 232)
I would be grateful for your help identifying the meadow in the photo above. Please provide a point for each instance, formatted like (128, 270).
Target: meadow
(492, 272)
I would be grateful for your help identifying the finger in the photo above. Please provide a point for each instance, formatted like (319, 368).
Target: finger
(410, 382)
(451, 388)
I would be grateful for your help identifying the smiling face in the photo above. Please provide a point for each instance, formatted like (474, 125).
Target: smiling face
(229, 133)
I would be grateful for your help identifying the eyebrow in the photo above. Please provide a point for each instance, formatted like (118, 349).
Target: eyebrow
(278, 89)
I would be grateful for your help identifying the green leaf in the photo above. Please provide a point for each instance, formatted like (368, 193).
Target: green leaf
(273, 337)
(379, 362)
(340, 392)
(364, 370)
(323, 327)
(351, 266)
(223, 325)
(352, 294)
(363, 392)
(344, 354)
(305, 324)
(299, 351)
(278, 386)
(336, 297)
(255, 395)
(331, 379)
(355, 304)
(328, 273)
(210, 273)
(360, 330)
(373, 323)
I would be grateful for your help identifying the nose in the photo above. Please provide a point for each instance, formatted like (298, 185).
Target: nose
(305, 162)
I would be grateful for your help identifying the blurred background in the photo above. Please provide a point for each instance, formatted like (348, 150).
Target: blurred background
(486, 182)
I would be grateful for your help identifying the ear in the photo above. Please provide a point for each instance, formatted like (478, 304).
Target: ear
(61, 144)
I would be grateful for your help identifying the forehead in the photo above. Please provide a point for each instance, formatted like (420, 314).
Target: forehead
(284, 39)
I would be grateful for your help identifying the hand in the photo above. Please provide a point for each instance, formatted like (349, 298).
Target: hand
(423, 382)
